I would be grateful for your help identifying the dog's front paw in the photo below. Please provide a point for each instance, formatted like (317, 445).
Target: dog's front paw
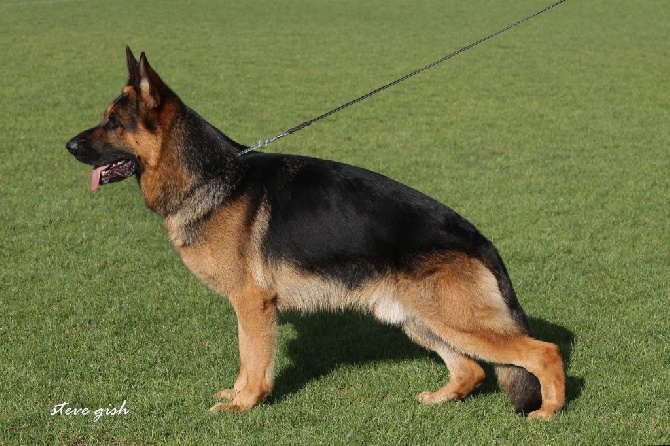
(541, 414)
(238, 401)
(226, 394)
(231, 406)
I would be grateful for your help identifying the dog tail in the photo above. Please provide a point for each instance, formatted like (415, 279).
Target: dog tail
(522, 386)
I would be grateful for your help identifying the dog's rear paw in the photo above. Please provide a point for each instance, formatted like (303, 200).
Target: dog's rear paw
(436, 397)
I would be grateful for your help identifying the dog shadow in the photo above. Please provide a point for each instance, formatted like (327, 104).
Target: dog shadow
(327, 341)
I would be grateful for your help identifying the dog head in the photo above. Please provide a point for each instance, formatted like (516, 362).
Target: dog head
(129, 139)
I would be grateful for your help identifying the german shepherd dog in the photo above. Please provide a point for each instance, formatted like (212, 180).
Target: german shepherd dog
(275, 232)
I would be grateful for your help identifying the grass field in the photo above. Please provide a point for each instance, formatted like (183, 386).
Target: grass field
(552, 139)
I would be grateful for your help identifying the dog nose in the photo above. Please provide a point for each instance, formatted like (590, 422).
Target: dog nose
(72, 145)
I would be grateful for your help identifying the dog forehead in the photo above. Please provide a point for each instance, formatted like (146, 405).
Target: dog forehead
(122, 102)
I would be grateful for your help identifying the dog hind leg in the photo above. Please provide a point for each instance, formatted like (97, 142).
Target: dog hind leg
(464, 372)
(459, 302)
(542, 359)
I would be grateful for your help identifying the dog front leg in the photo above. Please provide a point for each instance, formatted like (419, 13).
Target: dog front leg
(256, 332)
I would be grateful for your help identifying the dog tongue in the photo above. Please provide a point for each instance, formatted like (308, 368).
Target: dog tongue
(95, 177)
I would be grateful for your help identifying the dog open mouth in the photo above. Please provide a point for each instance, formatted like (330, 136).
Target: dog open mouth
(111, 173)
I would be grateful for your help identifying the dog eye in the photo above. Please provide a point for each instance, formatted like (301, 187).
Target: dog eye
(112, 122)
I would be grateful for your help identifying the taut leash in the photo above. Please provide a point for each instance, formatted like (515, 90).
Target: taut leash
(262, 143)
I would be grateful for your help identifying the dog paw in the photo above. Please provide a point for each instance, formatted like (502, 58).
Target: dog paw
(440, 396)
(226, 394)
(434, 397)
(225, 407)
(541, 414)
(236, 405)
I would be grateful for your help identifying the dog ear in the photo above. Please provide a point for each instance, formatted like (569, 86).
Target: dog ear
(133, 69)
(151, 86)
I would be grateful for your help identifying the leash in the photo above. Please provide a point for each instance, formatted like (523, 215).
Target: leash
(263, 143)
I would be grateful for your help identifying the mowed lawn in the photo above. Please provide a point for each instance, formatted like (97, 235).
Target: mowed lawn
(553, 139)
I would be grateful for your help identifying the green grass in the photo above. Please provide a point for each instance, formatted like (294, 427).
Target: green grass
(552, 138)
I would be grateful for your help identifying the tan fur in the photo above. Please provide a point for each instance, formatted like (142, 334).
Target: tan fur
(164, 177)
(458, 289)
(308, 292)
(218, 257)
(225, 258)
(461, 305)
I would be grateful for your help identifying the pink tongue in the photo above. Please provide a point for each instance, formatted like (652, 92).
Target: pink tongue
(95, 177)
